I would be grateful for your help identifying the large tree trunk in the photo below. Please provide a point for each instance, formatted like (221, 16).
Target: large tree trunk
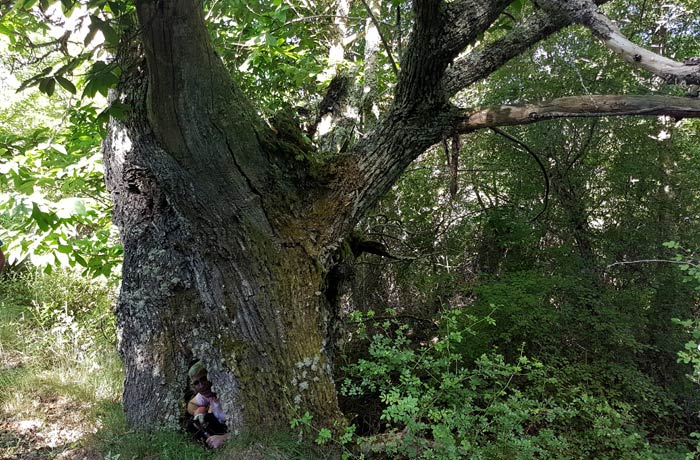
(206, 276)
(218, 262)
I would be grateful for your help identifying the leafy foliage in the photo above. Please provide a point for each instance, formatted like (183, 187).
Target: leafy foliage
(436, 405)
(54, 211)
(56, 192)
(569, 256)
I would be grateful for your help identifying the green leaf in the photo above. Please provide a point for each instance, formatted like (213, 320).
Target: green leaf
(64, 249)
(26, 187)
(116, 8)
(47, 85)
(27, 4)
(40, 217)
(119, 110)
(66, 5)
(66, 84)
(324, 435)
(78, 258)
(110, 35)
(90, 36)
(101, 78)
(72, 64)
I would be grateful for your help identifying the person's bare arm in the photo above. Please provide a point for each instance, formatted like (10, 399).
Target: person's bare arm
(217, 440)
(192, 407)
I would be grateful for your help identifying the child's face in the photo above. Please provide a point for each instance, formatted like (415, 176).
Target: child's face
(201, 384)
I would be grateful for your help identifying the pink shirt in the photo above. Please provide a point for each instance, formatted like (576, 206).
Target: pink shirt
(213, 404)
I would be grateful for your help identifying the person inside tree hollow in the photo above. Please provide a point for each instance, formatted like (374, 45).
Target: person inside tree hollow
(208, 422)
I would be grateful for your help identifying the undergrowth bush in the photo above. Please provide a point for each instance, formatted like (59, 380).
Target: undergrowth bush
(437, 405)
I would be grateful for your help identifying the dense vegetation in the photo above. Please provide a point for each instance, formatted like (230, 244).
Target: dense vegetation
(537, 296)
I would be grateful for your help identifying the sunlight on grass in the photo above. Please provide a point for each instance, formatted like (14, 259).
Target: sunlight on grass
(57, 364)
(61, 377)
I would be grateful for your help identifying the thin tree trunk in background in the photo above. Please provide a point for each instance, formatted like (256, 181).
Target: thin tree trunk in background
(664, 335)
(370, 110)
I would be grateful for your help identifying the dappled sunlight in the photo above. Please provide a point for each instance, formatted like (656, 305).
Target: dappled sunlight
(45, 427)
(58, 367)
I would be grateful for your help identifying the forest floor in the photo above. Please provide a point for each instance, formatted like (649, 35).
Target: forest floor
(46, 416)
(37, 423)
(52, 437)
(61, 382)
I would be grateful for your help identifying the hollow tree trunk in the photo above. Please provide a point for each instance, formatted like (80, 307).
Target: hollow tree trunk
(206, 276)
(217, 262)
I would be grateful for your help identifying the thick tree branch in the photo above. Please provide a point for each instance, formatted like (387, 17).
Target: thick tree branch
(483, 61)
(467, 19)
(586, 13)
(187, 80)
(421, 67)
(441, 31)
(579, 107)
(199, 115)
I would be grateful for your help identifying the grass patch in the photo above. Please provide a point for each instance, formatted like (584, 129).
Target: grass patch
(58, 362)
(273, 446)
(118, 442)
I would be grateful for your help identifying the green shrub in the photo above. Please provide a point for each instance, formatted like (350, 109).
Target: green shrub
(436, 405)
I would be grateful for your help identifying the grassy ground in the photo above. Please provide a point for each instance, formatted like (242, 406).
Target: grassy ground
(61, 381)
(61, 378)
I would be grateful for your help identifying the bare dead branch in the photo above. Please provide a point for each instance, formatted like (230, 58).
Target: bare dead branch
(653, 261)
(586, 13)
(579, 107)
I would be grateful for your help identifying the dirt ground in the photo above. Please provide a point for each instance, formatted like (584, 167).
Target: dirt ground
(46, 427)
(56, 431)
